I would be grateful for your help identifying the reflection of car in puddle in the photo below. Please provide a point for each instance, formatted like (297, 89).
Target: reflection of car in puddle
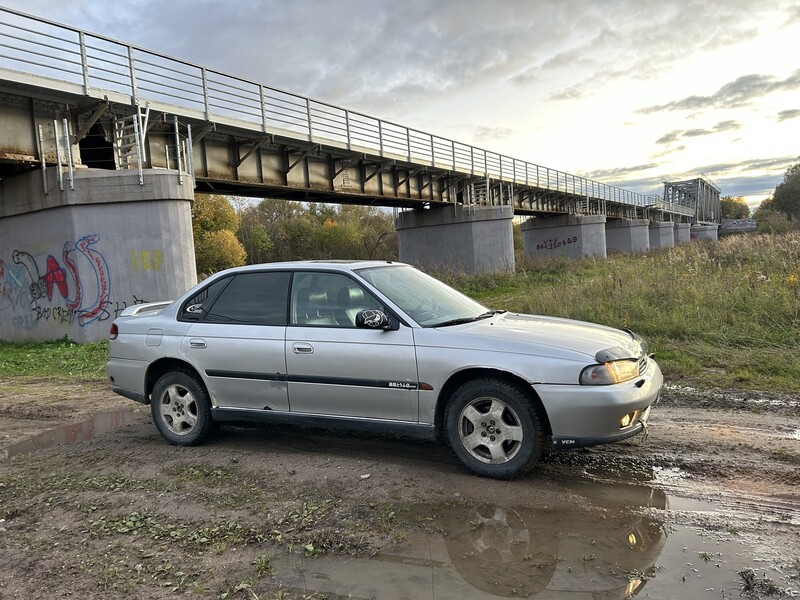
(520, 552)
(603, 551)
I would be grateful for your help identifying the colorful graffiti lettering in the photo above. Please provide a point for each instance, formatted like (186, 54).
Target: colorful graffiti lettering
(71, 289)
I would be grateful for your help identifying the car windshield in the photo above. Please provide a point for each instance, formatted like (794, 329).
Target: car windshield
(428, 301)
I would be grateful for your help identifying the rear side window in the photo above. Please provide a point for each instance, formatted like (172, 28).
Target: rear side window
(197, 307)
(252, 298)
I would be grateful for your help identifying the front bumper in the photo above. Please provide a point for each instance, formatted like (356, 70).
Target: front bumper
(591, 415)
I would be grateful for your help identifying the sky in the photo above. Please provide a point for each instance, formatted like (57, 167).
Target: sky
(627, 92)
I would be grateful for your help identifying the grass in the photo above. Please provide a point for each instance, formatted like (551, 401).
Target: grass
(63, 359)
(723, 314)
(717, 314)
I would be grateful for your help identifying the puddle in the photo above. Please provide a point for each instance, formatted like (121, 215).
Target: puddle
(502, 552)
(73, 433)
(622, 543)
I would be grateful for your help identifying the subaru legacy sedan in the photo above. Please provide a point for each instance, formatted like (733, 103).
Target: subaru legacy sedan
(380, 346)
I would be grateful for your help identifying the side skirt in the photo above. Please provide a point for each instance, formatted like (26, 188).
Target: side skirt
(415, 430)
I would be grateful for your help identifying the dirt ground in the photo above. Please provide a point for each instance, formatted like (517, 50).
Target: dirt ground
(121, 514)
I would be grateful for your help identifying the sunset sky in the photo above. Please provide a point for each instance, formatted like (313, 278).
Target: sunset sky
(628, 92)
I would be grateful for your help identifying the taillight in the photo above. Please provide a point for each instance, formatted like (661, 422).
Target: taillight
(113, 332)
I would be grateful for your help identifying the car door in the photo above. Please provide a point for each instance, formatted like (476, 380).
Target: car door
(337, 369)
(237, 341)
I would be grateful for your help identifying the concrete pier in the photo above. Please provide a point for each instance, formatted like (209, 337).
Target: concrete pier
(573, 236)
(682, 234)
(662, 234)
(705, 232)
(71, 260)
(465, 239)
(630, 235)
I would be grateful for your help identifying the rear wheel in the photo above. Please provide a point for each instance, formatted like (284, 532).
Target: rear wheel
(181, 409)
(493, 429)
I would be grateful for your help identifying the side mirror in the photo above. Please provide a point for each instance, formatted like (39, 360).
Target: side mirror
(373, 319)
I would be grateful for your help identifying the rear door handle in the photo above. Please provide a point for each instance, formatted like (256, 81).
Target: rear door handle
(302, 348)
(197, 343)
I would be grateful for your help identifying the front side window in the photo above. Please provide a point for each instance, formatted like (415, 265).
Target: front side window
(252, 298)
(426, 300)
(328, 299)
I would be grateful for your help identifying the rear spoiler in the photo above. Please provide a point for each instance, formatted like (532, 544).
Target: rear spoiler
(145, 309)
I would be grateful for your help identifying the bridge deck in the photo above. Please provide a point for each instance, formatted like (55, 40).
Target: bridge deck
(39, 54)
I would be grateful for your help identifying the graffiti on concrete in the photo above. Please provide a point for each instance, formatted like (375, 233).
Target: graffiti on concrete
(555, 243)
(73, 288)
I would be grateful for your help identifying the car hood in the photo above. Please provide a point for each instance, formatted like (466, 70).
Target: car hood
(551, 336)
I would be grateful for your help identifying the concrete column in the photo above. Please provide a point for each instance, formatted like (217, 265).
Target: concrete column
(705, 232)
(71, 260)
(630, 235)
(662, 234)
(466, 239)
(682, 235)
(573, 236)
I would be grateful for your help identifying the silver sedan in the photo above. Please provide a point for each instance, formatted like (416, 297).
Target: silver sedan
(385, 347)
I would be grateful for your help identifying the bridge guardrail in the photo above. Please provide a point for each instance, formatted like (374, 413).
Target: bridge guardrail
(99, 64)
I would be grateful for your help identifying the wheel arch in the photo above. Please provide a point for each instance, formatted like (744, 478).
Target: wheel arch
(461, 377)
(164, 365)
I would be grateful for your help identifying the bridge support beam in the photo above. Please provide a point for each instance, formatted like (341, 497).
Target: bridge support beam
(682, 234)
(71, 260)
(630, 235)
(572, 236)
(705, 232)
(662, 234)
(459, 238)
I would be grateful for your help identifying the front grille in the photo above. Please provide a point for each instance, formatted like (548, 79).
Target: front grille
(642, 365)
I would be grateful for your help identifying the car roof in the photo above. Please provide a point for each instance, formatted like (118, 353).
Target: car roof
(334, 265)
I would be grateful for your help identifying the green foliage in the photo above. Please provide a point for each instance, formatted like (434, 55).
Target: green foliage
(214, 226)
(786, 198)
(733, 207)
(770, 220)
(213, 213)
(217, 250)
(279, 230)
(61, 358)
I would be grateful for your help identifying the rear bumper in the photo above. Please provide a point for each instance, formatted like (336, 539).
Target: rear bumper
(131, 395)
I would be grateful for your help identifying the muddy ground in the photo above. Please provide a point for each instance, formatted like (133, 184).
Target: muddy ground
(277, 512)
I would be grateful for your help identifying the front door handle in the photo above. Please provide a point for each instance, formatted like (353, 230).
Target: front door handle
(302, 348)
(197, 343)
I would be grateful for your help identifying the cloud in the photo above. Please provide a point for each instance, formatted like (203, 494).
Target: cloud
(785, 115)
(733, 94)
(484, 134)
(676, 134)
(619, 173)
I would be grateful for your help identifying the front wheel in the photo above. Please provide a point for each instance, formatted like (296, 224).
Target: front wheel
(181, 409)
(493, 429)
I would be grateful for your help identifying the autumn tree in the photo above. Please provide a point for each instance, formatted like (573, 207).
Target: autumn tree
(733, 207)
(278, 230)
(786, 198)
(214, 227)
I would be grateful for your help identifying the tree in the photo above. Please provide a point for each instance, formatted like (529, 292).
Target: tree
(769, 220)
(214, 227)
(733, 207)
(786, 198)
(277, 230)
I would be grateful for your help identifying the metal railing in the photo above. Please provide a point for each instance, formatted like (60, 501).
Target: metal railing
(47, 53)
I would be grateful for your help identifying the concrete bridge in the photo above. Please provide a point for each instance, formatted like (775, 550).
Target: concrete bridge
(102, 145)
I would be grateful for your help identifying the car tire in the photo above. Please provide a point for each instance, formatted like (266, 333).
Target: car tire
(181, 409)
(493, 428)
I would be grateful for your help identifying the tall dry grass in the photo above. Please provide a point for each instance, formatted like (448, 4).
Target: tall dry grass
(719, 313)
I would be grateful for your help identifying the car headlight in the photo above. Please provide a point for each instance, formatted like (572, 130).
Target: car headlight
(615, 371)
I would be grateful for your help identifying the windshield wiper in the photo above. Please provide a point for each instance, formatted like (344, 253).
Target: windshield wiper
(462, 320)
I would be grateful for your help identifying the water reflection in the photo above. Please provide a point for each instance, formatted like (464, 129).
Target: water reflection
(495, 551)
(73, 433)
